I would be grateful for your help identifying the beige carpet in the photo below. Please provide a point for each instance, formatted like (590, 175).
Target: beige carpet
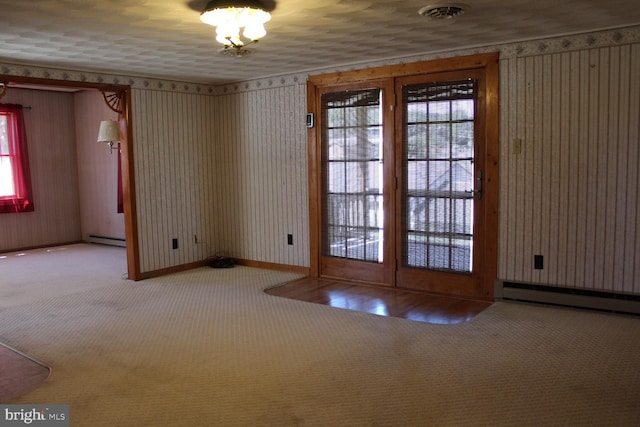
(209, 348)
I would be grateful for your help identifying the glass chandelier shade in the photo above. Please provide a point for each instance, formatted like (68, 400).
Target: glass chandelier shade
(230, 18)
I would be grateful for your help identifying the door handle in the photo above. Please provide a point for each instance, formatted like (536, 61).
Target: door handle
(479, 186)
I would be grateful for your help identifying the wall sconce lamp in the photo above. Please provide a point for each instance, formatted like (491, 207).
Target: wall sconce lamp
(109, 133)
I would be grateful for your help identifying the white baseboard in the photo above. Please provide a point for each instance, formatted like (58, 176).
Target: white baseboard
(111, 241)
(570, 297)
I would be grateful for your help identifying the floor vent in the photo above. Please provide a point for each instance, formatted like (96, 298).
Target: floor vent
(568, 297)
(110, 241)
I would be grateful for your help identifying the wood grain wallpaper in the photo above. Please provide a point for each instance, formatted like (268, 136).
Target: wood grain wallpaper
(176, 184)
(225, 175)
(569, 168)
(262, 175)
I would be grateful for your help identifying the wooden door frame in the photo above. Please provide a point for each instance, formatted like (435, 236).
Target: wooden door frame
(488, 62)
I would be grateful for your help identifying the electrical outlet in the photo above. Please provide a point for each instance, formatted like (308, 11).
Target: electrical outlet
(538, 262)
(289, 239)
(174, 243)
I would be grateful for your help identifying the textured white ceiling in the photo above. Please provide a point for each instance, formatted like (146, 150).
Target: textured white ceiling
(166, 39)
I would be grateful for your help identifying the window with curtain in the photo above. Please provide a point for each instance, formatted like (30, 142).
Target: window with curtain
(15, 179)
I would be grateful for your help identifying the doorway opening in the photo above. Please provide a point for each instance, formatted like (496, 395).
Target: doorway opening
(123, 101)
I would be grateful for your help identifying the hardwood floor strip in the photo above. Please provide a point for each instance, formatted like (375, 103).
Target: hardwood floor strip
(381, 301)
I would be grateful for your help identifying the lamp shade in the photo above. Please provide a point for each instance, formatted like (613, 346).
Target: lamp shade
(108, 131)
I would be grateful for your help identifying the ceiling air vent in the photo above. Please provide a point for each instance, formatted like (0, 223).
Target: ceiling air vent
(443, 11)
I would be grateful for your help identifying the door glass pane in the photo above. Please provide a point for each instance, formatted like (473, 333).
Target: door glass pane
(438, 176)
(352, 175)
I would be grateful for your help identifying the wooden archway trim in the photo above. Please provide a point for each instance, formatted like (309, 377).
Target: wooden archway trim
(114, 100)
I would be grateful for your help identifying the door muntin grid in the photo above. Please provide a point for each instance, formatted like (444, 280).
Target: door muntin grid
(352, 176)
(438, 181)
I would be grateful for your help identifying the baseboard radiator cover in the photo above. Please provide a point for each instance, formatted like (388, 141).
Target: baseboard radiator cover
(568, 297)
(103, 240)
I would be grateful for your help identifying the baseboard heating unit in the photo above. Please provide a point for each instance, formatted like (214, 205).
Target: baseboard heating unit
(111, 241)
(568, 297)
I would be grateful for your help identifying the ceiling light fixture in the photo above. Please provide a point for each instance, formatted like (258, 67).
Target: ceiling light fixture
(229, 17)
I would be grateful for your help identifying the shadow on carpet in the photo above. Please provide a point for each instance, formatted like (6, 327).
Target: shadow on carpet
(19, 373)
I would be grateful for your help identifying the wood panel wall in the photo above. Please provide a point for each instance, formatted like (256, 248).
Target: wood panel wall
(262, 172)
(569, 168)
(176, 177)
(228, 170)
(52, 154)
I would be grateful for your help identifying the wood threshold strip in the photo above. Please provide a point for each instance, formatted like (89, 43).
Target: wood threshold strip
(418, 306)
